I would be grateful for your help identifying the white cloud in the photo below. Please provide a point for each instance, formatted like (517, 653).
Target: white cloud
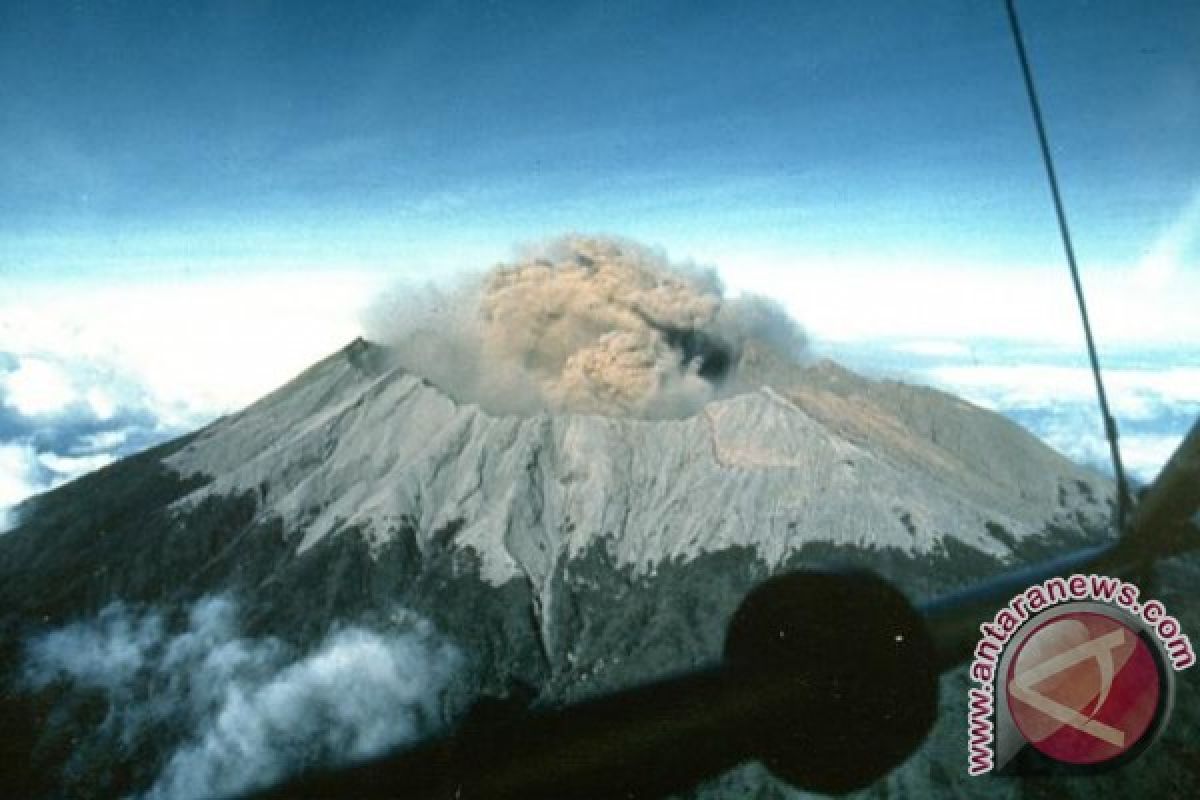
(18, 479)
(105, 440)
(37, 387)
(24, 472)
(863, 299)
(1058, 404)
(106, 653)
(89, 373)
(933, 347)
(59, 425)
(1132, 393)
(101, 403)
(197, 348)
(251, 710)
(1145, 454)
(1142, 455)
(71, 467)
(1161, 265)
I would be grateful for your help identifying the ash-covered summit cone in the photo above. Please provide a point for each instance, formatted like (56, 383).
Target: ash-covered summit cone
(360, 444)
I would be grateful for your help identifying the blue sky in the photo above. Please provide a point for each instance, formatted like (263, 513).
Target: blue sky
(290, 133)
(196, 198)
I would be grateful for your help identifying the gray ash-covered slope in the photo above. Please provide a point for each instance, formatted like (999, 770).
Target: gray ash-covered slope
(357, 444)
(570, 552)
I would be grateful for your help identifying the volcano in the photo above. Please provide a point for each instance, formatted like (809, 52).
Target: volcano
(562, 554)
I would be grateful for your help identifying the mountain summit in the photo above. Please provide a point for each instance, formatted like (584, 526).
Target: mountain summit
(359, 444)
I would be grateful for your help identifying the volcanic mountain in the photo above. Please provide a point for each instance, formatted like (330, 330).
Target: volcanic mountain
(558, 553)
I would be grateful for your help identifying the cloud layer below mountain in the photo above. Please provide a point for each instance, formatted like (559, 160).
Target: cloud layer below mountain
(89, 374)
(1154, 394)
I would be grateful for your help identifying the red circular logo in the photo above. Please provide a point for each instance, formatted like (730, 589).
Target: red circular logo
(1084, 688)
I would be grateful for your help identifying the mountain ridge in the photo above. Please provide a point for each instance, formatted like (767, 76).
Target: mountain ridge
(368, 444)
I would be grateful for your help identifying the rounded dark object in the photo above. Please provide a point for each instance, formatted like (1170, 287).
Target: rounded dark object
(857, 659)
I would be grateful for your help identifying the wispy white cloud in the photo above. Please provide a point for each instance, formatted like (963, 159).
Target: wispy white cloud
(242, 712)
(1168, 255)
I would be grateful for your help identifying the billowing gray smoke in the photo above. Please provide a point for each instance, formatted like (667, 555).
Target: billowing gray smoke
(584, 324)
(249, 711)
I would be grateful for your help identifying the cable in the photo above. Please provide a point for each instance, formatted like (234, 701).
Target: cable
(1110, 424)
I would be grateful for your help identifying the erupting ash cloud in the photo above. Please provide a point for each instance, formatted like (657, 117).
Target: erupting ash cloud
(582, 324)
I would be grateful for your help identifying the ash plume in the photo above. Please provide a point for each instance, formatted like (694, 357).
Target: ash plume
(582, 324)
